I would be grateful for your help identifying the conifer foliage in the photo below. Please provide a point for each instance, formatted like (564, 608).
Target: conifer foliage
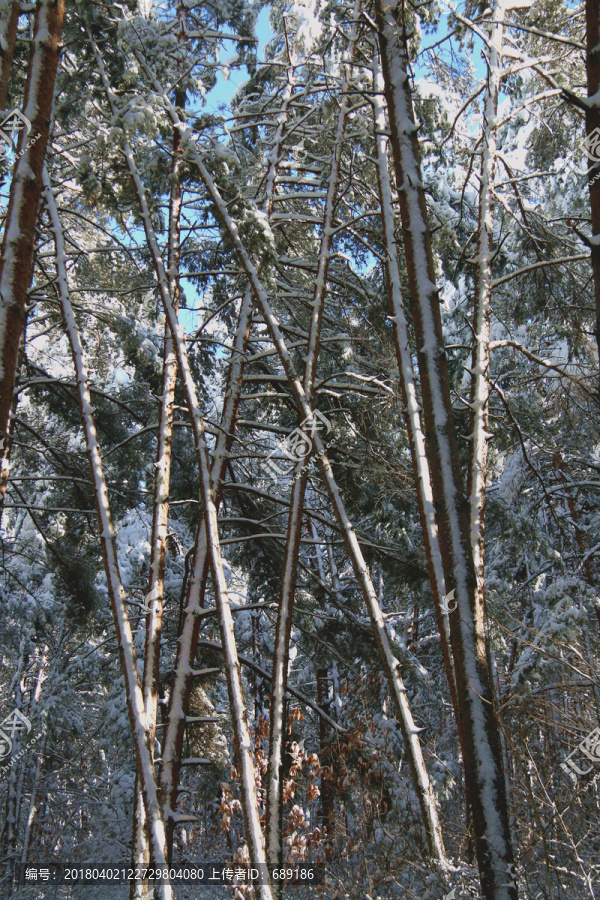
(299, 518)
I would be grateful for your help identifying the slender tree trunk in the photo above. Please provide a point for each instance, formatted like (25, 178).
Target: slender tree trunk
(16, 262)
(327, 809)
(133, 689)
(33, 804)
(9, 20)
(592, 124)
(281, 653)
(241, 734)
(483, 755)
(188, 639)
(186, 649)
(408, 383)
(160, 515)
(412, 416)
(414, 752)
(8, 833)
(39, 760)
(16, 258)
(480, 362)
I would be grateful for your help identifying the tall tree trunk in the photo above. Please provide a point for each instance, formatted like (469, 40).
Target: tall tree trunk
(408, 383)
(241, 734)
(412, 416)
(281, 653)
(480, 362)
(592, 124)
(483, 755)
(160, 514)
(9, 20)
(16, 258)
(186, 649)
(133, 688)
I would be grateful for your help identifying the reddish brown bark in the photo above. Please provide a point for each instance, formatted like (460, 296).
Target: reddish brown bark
(484, 770)
(9, 19)
(16, 260)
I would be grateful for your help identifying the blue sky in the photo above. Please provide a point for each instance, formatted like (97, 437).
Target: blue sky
(225, 88)
(222, 94)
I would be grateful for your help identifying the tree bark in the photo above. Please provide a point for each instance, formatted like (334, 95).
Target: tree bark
(241, 734)
(16, 256)
(9, 20)
(133, 688)
(484, 773)
(480, 360)
(160, 517)
(410, 732)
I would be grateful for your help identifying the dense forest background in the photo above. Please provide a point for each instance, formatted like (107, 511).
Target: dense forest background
(300, 453)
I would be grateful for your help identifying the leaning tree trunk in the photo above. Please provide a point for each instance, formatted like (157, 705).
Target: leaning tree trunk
(16, 259)
(140, 843)
(241, 734)
(186, 648)
(408, 383)
(414, 753)
(484, 773)
(281, 653)
(133, 689)
(412, 416)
